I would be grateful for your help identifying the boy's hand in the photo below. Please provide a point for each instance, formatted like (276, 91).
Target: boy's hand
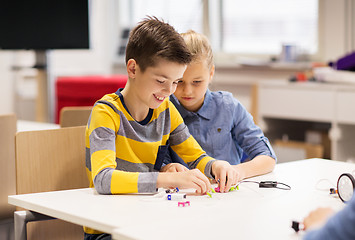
(225, 175)
(317, 218)
(187, 179)
(174, 167)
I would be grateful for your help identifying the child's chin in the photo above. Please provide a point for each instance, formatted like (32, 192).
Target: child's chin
(155, 106)
(187, 104)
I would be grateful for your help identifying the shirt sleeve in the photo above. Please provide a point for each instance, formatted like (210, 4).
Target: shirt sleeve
(340, 226)
(248, 135)
(104, 124)
(185, 146)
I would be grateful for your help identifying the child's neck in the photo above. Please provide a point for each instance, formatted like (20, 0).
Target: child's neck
(137, 110)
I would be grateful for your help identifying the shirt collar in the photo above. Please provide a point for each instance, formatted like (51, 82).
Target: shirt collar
(203, 111)
(144, 121)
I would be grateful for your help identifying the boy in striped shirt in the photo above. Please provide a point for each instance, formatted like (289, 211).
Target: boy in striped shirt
(129, 131)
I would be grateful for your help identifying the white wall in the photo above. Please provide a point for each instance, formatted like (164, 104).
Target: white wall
(6, 83)
(332, 29)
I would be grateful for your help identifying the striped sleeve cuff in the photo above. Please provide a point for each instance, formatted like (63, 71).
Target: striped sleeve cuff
(147, 182)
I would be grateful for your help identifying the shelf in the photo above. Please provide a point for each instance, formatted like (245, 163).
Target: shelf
(294, 108)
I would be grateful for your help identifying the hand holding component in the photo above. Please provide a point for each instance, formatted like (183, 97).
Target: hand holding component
(187, 179)
(225, 175)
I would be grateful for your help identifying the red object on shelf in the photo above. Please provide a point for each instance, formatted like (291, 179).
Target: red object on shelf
(301, 77)
(85, 90)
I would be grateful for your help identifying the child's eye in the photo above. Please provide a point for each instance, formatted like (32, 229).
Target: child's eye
(160, 81)
(197, 82)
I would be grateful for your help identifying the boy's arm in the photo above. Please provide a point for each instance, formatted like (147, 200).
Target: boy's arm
(259, 165)
(253, 142)
(173, 163)
(187, 148)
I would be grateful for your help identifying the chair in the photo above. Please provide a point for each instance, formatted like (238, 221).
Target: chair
(74, 116)
(50, 160)
(85, 90)
(7, 174)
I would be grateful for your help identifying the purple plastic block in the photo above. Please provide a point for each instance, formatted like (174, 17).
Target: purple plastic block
(346, 63)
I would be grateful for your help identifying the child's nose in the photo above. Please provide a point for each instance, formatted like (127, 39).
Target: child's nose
(169, 88)
(187, 89)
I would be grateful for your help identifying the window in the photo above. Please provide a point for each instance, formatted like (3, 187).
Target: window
(235, 26)
(262, 27)
(182, 14)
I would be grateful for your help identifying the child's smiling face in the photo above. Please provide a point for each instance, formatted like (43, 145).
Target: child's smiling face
(157, 83)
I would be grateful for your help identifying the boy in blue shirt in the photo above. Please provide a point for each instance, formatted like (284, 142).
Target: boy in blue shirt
(218, 121)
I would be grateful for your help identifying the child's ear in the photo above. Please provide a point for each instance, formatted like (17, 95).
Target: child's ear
(131, 68)
(212, 73)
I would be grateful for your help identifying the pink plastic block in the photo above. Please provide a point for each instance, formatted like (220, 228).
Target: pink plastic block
(184, 204)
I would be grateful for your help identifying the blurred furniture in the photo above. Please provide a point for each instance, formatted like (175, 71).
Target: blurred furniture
(254, 94)
(31, 93)
(23, 125)
(292, 108)
(50, 160)
(8, 125)
(74, 116)
(7, 174)
(85, 90)
(294, 150)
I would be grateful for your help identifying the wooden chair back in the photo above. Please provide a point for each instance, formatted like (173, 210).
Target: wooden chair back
(7, 164)
(74, 116)
(50, 160)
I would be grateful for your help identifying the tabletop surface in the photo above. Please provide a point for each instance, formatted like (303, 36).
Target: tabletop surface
(248, 213)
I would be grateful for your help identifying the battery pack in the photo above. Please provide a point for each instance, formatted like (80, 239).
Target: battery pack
(176, 196)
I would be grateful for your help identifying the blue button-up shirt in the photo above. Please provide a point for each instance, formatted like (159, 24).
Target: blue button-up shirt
(225, 129)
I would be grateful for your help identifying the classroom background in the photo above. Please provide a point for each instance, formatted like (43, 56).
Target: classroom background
(263, 50)
(290, 63)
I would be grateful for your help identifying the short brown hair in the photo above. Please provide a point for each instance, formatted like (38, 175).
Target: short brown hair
(153, 39)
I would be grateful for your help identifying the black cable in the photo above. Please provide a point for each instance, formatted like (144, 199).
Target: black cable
(248, 181)
(288, 187)
(269, 184)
